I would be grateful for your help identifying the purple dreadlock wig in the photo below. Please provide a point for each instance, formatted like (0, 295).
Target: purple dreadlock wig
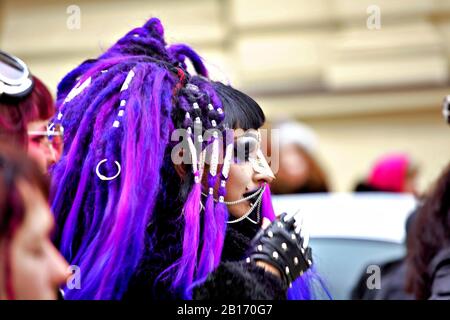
(119, 111)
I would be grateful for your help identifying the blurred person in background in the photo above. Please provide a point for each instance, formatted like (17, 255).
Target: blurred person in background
(429, 247)
(446, 109)
(26, 106)
(395, 172)
(299, 171)
(30, 266)
(393, 275)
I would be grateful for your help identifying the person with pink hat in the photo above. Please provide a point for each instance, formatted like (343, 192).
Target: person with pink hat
(395, 172)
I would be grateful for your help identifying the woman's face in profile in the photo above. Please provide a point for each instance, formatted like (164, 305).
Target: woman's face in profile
(248, 172)
(37, 268)
(245, 177)
(43, 149)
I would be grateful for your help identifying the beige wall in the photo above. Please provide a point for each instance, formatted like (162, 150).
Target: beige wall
(423, 135)
(366, 92)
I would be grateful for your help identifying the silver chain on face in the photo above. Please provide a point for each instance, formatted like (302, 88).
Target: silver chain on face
(257, 204)
(230, 203)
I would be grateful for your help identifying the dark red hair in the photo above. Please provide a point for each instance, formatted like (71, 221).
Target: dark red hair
(14, 116)
(14, 166)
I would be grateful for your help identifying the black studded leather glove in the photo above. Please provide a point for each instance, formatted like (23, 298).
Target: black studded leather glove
(282, 245)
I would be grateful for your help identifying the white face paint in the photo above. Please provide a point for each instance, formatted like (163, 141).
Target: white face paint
(248, 149)
(248, 173)
(260, 164)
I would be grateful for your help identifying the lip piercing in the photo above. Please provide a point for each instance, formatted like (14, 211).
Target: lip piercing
(256, 205)
(102, 177)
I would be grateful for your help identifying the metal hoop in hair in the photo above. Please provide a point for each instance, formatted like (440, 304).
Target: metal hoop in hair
(102, 177)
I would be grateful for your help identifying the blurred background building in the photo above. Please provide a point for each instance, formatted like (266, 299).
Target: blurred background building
(365, 88)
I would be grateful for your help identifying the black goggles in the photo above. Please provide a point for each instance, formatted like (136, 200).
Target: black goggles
(16, 82)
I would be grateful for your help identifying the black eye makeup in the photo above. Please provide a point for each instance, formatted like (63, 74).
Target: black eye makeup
(244, 148)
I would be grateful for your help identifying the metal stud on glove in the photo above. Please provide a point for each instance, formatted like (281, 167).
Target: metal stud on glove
(284, 245)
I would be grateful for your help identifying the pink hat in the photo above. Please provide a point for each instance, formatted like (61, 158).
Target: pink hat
(389, 173)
